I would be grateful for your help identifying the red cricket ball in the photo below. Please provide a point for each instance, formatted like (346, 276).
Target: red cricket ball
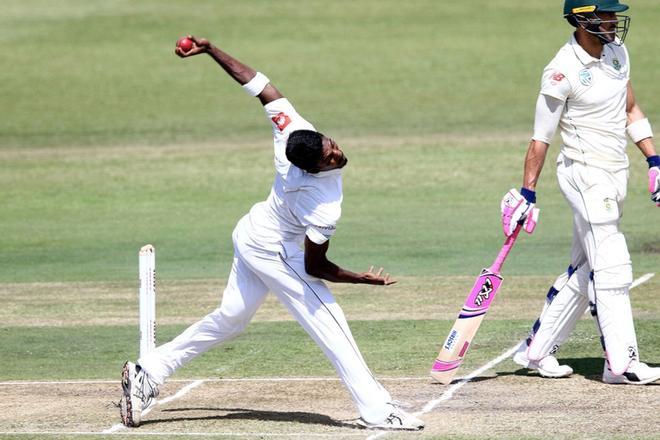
(185, 44)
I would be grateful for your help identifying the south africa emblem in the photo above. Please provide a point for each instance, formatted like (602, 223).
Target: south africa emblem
(585, 77)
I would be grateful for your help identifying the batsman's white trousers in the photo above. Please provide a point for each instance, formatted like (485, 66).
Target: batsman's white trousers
(254, 273)
(596, 198)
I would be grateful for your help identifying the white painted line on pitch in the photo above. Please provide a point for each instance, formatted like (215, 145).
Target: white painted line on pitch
(452, 389)
(214, 380)
(183, 391)
(140, 433)
(642, 279)
(466, 379)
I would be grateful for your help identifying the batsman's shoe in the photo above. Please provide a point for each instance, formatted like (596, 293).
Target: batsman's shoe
(398, 419)
(520, 356)
(546, 367)
(638, 373)
(138, 393)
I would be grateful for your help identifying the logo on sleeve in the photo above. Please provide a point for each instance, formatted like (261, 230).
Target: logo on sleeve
(281, 120)
(616, 63)
(556, 78)
(585, 77)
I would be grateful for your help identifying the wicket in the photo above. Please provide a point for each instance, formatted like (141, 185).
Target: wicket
(147, 274)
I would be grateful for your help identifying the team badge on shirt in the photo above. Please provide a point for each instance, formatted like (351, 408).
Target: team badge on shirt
(281, 120)
(616, 64)
(585, 77)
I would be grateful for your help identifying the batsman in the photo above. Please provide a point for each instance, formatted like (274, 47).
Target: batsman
(586, 92)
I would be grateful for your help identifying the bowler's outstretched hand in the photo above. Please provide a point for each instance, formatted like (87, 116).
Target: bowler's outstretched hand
(200, 45)
(377, 278)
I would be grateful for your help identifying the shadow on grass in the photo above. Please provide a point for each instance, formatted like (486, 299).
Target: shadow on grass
(253, 414)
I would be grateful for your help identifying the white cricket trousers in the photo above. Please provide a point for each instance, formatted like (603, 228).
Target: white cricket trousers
(254, 273)
(604, 269)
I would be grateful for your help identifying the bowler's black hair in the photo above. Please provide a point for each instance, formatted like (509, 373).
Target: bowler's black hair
(304, 149)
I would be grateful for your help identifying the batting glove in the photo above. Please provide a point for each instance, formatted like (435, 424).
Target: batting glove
(518, 209)
(654, 178)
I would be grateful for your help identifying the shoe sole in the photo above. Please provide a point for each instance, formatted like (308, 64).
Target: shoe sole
(625, 381)
(364, 425)
(126, 403)
(550, 375)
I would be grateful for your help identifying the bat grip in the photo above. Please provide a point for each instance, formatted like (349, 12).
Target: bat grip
(504, 252)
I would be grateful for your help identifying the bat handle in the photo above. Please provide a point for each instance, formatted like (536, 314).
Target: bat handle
(504, 252)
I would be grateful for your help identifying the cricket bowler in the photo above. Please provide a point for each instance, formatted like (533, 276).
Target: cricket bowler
(586, 92)
(280, 246)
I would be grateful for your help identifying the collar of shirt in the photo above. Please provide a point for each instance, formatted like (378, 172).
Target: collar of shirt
(321, 174)
(582, 54)
(294, 178)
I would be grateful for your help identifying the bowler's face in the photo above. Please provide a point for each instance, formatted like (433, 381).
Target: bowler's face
(332, 156)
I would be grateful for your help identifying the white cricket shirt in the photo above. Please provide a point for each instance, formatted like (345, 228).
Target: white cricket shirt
(299, 203)
(593, 122)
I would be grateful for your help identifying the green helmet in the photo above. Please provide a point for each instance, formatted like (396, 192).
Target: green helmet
(582, 6)
(583, 14)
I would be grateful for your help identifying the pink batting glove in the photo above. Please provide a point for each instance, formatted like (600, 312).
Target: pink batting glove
(517, 210)
(654, 184)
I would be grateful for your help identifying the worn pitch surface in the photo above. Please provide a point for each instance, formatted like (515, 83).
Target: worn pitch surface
(503, 405)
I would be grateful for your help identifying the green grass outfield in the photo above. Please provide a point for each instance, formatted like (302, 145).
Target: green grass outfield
(108, 141)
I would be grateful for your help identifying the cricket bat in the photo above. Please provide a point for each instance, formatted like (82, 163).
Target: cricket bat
(469, 319)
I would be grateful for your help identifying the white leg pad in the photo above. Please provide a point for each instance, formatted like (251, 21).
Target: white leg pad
(612, 265)
(560, 316)
(616, 324)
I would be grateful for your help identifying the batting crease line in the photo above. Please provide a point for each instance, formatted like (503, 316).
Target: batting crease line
(449, 393)
(183, 391)
(181, 434)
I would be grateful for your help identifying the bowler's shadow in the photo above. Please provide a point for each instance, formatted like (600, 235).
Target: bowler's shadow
(253, 414)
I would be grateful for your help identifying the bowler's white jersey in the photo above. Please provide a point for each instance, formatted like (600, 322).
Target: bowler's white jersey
(300, 204)
(593, 123)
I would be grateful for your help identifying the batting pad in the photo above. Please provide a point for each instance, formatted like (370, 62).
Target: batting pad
(558, 320)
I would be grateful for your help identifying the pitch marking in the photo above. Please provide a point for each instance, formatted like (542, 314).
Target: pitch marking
(642, 279)
(466, 379)
(183, 391)
(179, 434)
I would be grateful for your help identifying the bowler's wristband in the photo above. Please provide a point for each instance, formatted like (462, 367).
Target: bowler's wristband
(256, 85)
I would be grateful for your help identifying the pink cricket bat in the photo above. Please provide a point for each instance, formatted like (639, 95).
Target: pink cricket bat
(469, 319)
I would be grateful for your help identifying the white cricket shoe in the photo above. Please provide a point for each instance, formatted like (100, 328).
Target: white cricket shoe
(138, 393)
(547, 367)
(638, 373)
(398, 419)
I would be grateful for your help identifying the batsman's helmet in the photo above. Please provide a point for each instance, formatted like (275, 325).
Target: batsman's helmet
(582, 13)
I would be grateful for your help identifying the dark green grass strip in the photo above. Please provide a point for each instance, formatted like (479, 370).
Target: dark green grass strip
(391, 348)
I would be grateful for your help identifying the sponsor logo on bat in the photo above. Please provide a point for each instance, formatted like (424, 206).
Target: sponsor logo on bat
(451, 339)
(484, 293)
